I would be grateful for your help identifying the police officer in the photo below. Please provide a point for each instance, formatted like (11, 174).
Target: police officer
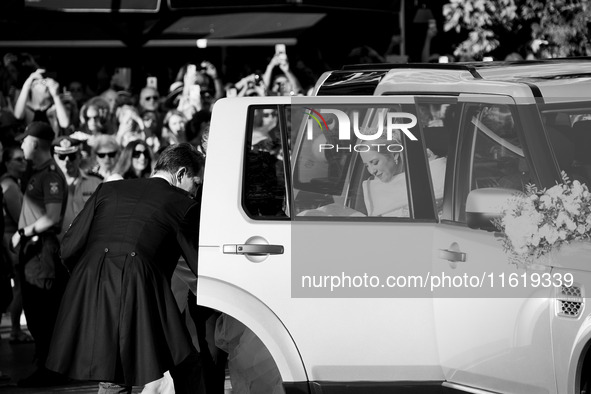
(43, 277)
(67, 153)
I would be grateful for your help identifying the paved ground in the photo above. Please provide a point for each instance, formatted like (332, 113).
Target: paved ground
(16, 361)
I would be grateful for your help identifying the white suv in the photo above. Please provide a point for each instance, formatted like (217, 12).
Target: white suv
(348, 298)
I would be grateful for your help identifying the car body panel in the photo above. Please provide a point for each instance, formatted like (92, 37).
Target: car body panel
(497, 341)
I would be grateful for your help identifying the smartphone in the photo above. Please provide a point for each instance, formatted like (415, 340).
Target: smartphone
(152, 82)
(280, 48)
(280, 52)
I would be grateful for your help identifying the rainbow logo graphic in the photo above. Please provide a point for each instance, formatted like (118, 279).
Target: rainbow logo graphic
(315, 115)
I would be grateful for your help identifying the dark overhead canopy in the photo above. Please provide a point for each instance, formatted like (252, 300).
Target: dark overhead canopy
(137, 23)
(95, 5)
(202, 5)
(242, 24)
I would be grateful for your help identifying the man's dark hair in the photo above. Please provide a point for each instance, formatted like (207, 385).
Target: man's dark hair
(180, 155)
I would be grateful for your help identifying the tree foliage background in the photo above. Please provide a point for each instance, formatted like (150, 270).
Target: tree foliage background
(543, 28)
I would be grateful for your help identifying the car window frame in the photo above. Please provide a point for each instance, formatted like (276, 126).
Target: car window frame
(282, 125)
(420, 192)
(522, 115)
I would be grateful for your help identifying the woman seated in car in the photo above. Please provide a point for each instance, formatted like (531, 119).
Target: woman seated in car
(385, 193)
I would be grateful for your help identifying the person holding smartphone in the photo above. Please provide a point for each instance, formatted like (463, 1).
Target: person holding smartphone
(200, 89)
(282, 82)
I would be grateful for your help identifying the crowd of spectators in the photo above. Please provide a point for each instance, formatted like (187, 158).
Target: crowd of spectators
(121, 126)
(111, 133)
(128, 113)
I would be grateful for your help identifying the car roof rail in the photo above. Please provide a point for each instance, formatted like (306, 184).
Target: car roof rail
(471, 67)
(441, 66)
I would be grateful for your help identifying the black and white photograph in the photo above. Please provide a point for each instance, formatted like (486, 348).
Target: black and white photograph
(295, 196)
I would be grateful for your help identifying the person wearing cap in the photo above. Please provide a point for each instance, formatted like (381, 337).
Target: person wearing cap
(67, 153)
(43, 277)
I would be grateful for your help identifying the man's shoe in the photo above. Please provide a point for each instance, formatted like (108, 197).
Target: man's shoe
(43, 378)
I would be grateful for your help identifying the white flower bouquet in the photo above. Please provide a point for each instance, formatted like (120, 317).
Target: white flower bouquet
(541, 221)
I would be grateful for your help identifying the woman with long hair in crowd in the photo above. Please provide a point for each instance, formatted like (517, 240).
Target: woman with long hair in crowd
(135, 161)
(173, 128)
(95, 117)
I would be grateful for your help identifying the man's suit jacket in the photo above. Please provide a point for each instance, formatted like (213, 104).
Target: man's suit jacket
(119, 321)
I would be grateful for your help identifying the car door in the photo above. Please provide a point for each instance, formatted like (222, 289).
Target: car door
(283, 225)
(493, 326)
(355, 269)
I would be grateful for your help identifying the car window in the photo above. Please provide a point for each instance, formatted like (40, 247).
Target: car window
(264, 188)
(568, 127)
(492, 152)
(347, 164)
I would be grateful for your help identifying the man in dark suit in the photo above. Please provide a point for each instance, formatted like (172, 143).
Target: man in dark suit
(119, 323)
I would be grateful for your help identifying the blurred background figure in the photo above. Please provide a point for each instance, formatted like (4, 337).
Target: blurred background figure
(173, 129)
(39, 100)
(105, 152)
(130, 125)
(135, 161)
(15, 165)
(278, 78)
(67, 153)
(95, 117)
(149, 100)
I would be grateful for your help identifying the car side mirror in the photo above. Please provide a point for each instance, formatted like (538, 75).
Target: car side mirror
(484, 205)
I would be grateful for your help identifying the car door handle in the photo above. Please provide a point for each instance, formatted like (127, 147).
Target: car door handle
(451, 255)
(253, 249)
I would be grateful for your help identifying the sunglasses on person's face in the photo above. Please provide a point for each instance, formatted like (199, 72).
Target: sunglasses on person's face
(71, 156)
(102, 155)
(19, 159)
(137, 153)
(268, 114)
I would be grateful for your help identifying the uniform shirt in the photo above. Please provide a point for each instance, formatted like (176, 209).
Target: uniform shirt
(78, 193)
(46, 185)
